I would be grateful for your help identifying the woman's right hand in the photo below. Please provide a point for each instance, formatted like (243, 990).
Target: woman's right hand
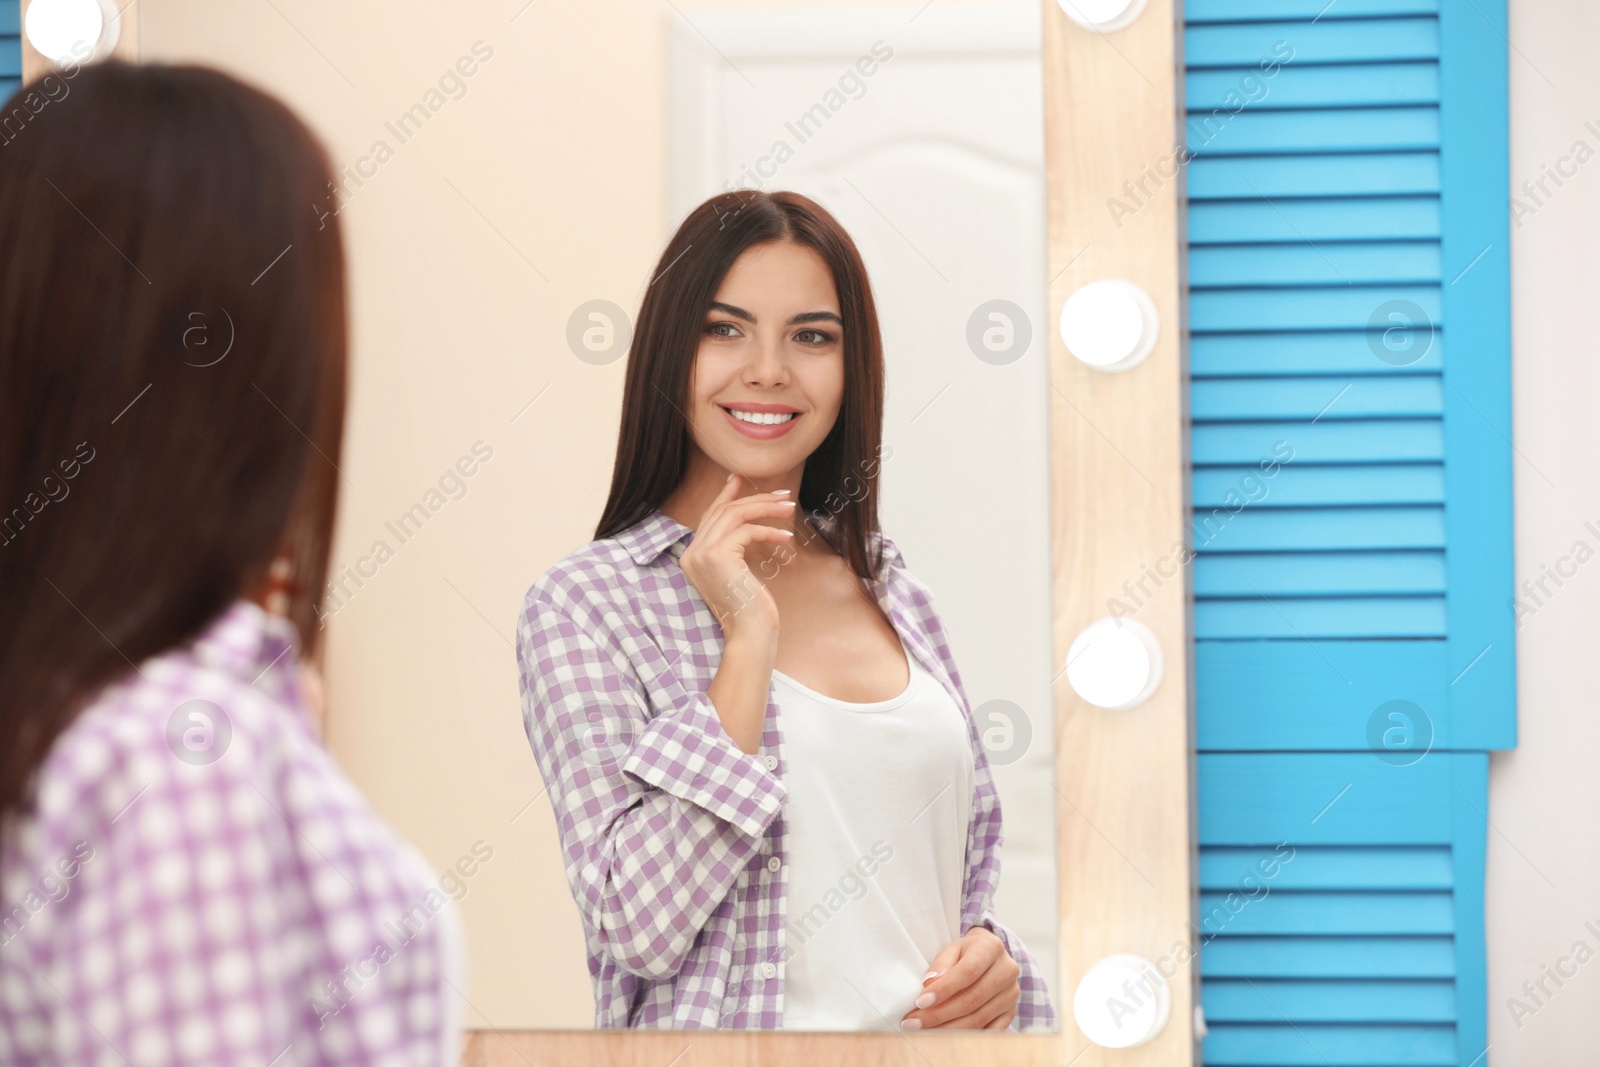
(715, 565)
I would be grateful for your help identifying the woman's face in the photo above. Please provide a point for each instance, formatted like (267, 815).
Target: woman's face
(768, 376)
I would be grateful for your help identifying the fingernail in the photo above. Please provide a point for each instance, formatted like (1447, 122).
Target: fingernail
(730, 476)
(780, 492)
(787, 533)
(787, 503)
(930, 974)
(911, 1024)
(926, 1000)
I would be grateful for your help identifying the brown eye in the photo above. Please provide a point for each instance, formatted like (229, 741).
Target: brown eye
(814, 337)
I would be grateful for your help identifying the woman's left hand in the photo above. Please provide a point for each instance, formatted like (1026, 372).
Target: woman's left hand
(973, 986)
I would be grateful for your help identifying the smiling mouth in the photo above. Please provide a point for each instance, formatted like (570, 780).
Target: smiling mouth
(763, 418)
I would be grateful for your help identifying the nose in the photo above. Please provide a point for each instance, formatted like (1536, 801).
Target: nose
(768, 364)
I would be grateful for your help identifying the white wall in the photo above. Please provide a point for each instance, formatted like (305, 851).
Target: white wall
(1544, 797)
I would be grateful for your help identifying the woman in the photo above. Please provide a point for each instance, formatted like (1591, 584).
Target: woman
(772, 798)
(186, 876)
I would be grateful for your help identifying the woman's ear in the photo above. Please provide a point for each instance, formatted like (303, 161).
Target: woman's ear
(275, 591)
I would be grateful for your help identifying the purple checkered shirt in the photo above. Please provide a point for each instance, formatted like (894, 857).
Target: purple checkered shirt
(666, 825)
(199, 883)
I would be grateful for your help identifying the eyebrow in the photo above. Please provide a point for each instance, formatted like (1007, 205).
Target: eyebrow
(803, 317)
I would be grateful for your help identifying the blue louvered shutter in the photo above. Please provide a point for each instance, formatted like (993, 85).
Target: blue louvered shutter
(10, 47)
(1354, 653)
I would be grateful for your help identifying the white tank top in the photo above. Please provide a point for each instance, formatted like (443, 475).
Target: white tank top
(880, 802)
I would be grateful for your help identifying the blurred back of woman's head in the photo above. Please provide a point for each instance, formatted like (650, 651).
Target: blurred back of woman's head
(172, 380)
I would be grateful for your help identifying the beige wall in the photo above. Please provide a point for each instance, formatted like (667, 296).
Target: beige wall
(454, 333)
(1544, 797)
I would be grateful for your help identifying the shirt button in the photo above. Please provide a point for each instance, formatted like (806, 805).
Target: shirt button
(768, 970)
(773, 864)
(772, 763)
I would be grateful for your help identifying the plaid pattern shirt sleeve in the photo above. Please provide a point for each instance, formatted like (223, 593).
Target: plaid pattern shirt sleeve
(199, 884)
(673, 838)
(658, 810)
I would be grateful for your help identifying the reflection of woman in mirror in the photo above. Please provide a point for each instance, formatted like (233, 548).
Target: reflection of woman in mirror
(188, 877)
(774, 805)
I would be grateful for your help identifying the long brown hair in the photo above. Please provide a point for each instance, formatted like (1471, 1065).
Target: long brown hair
(172, 379)
(840, 479)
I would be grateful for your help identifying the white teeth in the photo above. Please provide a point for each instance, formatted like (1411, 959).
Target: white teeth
(760, 418)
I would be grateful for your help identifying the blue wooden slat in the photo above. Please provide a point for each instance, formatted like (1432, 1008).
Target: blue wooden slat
(1261, 220)
(1400, 129)
(1331, 263)
(11, 19)
(1392, 441)
(1371, 174)
(1315, 1045)
(1327, 957)
(1303, 486)
(1320, 352)
(1268, 1000)
(1336, 798)
(1299, 913)
(1295, 694)
(1300, 530)
(1314, 618)
(1349, 307)
(1331, 41)
(1253, 399)
(1338, 574)
(1296, 86)
(1225, 869)
(1200, 11)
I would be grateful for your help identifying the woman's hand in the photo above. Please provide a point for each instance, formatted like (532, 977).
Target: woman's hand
(715, 565)
(972, 986)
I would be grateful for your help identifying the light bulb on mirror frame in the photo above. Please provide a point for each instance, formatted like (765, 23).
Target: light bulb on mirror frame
(1122, 1001)
(72, 31)
(1103, 16)
(1110, 325)
(1115, 663)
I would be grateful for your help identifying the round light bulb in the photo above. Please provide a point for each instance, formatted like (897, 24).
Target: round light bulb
(1102, 15)
(1114, 663)
(1111, 324)
(71, 31)
(1122, 1001)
